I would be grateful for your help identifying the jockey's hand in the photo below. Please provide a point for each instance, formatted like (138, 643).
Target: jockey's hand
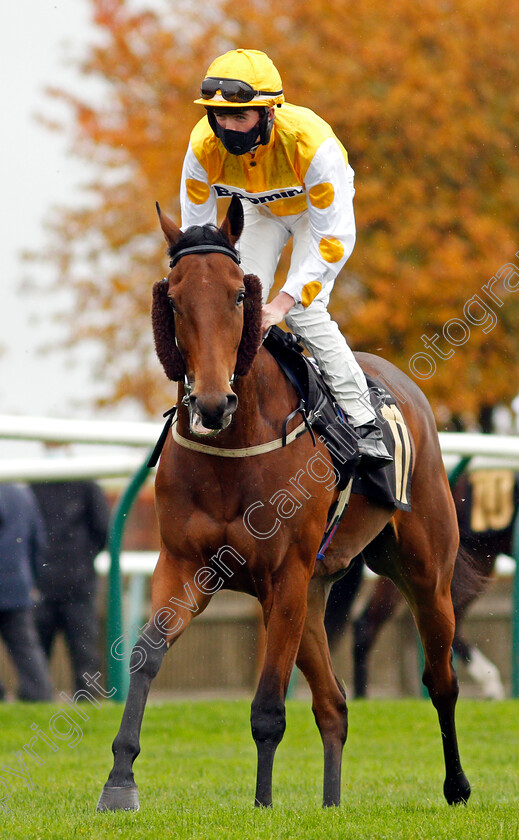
(275, 311)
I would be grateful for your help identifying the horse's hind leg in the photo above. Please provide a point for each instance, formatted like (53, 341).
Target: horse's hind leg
(427, 551)
(328, 696)
(165, 627)
(435, 621)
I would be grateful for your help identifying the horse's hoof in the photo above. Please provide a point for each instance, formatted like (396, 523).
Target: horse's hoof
(457, 790)
(119, 799)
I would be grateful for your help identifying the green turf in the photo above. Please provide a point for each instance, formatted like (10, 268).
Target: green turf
(196, 775)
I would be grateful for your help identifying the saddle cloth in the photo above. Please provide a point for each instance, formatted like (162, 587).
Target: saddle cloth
(390, 485)
(487, 500)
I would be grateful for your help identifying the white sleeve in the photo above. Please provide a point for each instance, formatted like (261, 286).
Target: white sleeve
(197, 198)
(329, 189)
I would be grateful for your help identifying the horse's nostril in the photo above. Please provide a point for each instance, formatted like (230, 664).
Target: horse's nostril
(213, 409)
(232, 404)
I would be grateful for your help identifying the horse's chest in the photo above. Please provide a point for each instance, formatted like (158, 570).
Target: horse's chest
(249, 518)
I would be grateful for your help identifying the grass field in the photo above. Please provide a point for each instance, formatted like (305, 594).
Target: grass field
(196, 774)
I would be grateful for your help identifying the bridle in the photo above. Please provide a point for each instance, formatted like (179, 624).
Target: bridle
(284, 440)
(205, 249)
(200, 249)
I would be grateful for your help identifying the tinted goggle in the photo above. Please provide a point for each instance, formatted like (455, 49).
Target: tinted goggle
(232, 90)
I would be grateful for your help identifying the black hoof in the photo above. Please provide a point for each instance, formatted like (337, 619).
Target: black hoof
(457, 790)
(119, 799)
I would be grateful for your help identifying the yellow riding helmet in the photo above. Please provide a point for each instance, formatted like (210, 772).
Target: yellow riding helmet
(241, 78)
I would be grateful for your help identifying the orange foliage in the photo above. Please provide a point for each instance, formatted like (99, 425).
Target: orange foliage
(425, 97)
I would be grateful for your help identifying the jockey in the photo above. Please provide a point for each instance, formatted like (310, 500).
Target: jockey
(293, 176)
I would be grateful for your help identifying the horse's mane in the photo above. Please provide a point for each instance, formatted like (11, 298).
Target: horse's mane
(200, 235)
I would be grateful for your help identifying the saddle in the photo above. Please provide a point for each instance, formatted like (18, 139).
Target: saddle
(321, 413)
(326, 419)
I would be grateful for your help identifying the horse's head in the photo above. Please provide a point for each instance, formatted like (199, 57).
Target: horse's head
(207, 317)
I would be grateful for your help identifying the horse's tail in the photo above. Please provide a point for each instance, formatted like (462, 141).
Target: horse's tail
(468, 581)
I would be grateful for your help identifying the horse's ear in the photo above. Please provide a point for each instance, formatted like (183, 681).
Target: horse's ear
(171, 232)
(233, 223)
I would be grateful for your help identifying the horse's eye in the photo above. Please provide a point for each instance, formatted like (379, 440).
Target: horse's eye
(172, 304)
(240, 297)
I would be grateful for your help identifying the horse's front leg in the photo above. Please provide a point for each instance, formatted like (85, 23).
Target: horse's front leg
(284, 611)
(172, 583)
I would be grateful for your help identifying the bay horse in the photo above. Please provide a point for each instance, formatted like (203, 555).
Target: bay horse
(485, 521)
(238, 510)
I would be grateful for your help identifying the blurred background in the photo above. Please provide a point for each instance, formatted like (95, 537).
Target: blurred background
(97, 114)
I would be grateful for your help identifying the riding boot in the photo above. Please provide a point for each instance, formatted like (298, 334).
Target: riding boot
(372, 448)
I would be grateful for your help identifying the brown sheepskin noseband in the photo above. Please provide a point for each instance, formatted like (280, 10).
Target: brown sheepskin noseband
(163, 323)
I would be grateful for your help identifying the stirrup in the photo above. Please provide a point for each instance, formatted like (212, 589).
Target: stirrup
(372, 448)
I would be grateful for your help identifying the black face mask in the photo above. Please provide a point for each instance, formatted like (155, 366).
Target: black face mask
(238, 142)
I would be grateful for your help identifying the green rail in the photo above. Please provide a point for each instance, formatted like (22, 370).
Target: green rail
(118, 676)
(456, 473)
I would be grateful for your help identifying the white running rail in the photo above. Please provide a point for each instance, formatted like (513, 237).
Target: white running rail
(490, 450)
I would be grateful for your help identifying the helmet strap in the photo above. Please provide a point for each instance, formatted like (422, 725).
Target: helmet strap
(265, 126)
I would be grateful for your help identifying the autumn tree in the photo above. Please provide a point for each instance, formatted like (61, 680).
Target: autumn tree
(425, 97)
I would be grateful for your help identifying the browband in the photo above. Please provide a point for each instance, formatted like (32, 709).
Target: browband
(204, 249)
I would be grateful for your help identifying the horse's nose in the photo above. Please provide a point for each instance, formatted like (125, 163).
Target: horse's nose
(214, 408)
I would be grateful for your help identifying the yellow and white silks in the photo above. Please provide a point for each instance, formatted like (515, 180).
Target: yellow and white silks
(300, 185)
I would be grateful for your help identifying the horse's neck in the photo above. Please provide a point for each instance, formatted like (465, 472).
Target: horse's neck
(265, 397)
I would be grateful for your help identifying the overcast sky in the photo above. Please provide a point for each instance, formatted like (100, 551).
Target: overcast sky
(38, 40)
(36, 36)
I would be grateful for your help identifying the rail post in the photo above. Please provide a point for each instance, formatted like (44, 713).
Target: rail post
(117, 671)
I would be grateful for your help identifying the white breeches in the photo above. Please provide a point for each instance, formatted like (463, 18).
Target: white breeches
(260, 245)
